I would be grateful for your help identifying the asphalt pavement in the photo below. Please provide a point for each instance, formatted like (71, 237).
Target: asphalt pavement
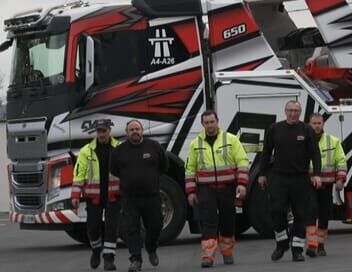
(54, 251)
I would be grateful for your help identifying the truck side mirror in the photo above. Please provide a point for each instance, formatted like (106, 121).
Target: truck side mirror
(89, 62)
(5, 45)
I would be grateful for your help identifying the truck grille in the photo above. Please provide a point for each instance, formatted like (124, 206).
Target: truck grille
(28, 179)
(29, 202)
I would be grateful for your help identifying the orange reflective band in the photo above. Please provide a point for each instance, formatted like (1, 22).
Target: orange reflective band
(226, 245)
(209, 248)
(313, 243)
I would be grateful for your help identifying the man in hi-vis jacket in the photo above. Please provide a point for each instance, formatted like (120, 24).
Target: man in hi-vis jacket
(334, 170)
(92, 178)
(216, 172)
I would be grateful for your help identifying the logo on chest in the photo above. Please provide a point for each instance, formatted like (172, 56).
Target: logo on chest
(218, 151)
(300, 138)
(147, 155)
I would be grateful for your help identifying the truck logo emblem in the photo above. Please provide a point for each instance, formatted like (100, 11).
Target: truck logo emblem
(161, 43)
(88, 126)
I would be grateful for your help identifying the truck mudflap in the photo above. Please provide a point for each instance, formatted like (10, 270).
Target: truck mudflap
(53, 217)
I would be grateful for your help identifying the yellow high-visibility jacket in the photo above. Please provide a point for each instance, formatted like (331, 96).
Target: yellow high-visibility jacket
(86, 175)
(333, 159)
(225, 162)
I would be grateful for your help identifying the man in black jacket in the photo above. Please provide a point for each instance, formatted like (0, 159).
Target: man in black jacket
(294, 144)
(139, 163)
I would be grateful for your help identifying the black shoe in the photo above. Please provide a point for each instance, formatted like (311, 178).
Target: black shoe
(278, 253)
(109, 262)
(95, 258)
(297, 257)
(228, 259)
(311, 251)
(206, 262)
(153, 258)
(321, 250)
(135, 266)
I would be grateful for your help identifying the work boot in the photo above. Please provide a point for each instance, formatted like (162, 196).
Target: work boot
(153, 258)
(321, 250)
(135, 266)
(95, 257)
(297, 256)
(109, 262)
(206, 262)
(311, 251)
(278, 253)
(228, 259)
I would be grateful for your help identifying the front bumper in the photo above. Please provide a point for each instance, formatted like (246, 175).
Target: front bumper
(52, 217)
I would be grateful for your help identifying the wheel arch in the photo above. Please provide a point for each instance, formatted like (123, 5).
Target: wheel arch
(176, 169)
(177, 172)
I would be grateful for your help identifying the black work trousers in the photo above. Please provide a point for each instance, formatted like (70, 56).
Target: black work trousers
(97, 229)
(147, 208)
(216, 211)
(287, 191)
(321, 206)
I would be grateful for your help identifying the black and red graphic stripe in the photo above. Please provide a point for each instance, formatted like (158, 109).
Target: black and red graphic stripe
(123, 17)
(226, 18)
(160, 99)
(321, 6)
(184, 31)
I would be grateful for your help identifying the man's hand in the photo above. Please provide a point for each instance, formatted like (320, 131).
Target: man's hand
(241, 192)
(75, 203)
(263, 182)
(316, 182)
(339, 185)
(192, 199)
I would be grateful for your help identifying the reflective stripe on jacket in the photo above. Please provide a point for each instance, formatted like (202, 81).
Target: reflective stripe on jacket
(333, 159)
(86, 175)
(225, 162)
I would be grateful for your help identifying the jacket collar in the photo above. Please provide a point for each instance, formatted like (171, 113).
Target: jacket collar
(93, 143)
(203, 135)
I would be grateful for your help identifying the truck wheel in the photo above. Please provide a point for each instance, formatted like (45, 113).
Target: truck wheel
(78, 232)
(173, 208)
(259, 211)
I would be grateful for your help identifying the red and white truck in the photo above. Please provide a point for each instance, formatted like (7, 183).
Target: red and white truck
(164, 62)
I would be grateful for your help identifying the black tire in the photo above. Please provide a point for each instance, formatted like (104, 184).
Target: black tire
(259, 211)
(174, 209)
(78, 232)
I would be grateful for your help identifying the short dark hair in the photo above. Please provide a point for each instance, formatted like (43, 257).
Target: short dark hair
(133, 120)
(207, 113)
(316, 114)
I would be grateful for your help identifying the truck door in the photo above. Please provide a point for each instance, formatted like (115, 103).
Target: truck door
(174, 65)
(119, 89)
(248, 111)
(255, 114)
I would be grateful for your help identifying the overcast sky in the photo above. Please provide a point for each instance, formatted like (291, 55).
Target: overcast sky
(10, 7)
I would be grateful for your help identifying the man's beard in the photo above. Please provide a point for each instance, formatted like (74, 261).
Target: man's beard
(136, 140)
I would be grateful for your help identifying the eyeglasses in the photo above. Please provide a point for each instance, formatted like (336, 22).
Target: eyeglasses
(102, 130)
(293, 110)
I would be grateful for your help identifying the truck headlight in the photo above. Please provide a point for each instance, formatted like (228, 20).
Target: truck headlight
(54, 183)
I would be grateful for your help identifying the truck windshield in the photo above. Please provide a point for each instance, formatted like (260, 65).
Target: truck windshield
(39, 60)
